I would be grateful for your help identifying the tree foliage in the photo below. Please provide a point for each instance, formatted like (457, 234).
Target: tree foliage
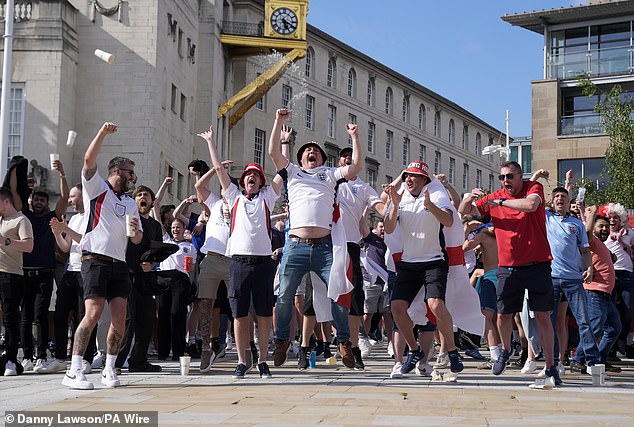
(615, 111)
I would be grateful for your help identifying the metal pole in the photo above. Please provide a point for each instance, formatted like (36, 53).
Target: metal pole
(6, 86)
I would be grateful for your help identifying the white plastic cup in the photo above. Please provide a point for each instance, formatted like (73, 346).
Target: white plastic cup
(70, 140)
(598, 374)
(185, 362)
(581, 194)
(129, 231)
(104, 56)
(54, 157)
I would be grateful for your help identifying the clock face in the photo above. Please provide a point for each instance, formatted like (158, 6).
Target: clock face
(284, 21)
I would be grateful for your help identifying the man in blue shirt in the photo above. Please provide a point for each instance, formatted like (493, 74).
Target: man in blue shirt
(571, 257)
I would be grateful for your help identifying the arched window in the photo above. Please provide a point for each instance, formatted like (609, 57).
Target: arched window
(422, 117)
(437, 124)
(331, 79)
(352, 83)
(371, 92)
(478, 145)
(310, 58)
(389, 101)
(406, 108)
(465, 137)
(452, 132)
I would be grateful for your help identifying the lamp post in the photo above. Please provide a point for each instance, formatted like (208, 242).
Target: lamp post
(6, 86)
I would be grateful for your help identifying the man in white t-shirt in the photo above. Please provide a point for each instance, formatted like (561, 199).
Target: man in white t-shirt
(104, 270)
(252, 266)
(421, 214)
(311, 190)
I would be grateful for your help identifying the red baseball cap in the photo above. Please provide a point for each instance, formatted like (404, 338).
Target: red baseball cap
(252, 167)
(417, 167)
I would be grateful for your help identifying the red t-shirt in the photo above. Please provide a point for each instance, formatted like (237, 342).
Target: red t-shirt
(521, 236)
(603, 268)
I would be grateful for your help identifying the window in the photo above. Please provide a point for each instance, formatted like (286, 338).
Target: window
(422, 117)
(287, 95)
(389, 141)
(490, 183)
(465, 176)
(371, 92)
(371, 133)
(180, 184)
(180, 42)
(422, 153)
(478, 145)
(590, 169)
(478, 179)
(310, 111)
(331, 162)
(465, 138)
(310, 56)
(16, 121)
(437, 161)
(183, 107)
(452, 132)
(405, 151)
(332, 121)
(406, 108)
(173, 99)
(372, 177)
(170, 173)
(437, 124)
(331, 78)
(452, 170)
(389, 101)
(352, 118)
(258, 149)
(389, 179)
(352, 83)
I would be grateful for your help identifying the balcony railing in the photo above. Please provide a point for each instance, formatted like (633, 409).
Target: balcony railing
(595, 62)
(242, 29)
(22, 10)
(581, 125)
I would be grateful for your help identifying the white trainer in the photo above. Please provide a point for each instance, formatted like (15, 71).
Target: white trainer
(424, 369)
(98, 361)
(396, 370)
(442, 361)
(39, 364)
(390, 349)
(53, 367)
(529, 367)
(365, 346)
(561, 368)
(109, 378)
(86, 367)
(77, 380)
(542, 373)
(27, 364)
(10, 370)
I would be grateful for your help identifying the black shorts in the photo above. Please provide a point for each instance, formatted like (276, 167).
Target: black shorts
(105, 279)
(412, 276)
(251, 282)
(358, 294)
(512, 281)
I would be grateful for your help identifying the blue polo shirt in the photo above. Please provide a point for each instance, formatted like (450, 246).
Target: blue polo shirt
(566, 236)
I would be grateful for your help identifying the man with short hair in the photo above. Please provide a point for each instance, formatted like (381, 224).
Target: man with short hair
(16, 238)
(518, 215)
(104, 270)
(311, 190)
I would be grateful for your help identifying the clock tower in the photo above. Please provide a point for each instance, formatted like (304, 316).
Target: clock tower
(285, 19)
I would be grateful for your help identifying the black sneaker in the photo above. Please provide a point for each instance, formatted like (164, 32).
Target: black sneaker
(215, 346)
(455, 361)
(240, 371)
(611, 368)
(577, 368)
(319, 348)
(553, 372)
(327, 353)
(358, 360)
(144, 367)
(302, 358)
(263, 369)
(191, 349)
(499, 366)
(412, 359)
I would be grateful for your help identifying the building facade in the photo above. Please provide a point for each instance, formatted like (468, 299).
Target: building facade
(593, 40)
(171, 72)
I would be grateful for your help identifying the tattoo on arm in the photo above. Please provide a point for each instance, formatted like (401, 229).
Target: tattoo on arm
(89, 173)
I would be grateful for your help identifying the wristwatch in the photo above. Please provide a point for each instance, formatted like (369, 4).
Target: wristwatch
(7, 241)
(501, 201)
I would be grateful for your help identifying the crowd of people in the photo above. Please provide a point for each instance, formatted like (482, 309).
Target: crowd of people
(295, 266)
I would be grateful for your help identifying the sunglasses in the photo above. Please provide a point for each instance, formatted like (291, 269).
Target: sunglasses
(508, 176)
(128, 170)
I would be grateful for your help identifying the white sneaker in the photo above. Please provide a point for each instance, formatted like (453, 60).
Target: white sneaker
(442, 361)
(390, 349)
(562, 369)
(424, 369)
(365, 346)
(529, 367)
(295, 348)
(39, 364)
(86, 367)
(10, 370)
(542, 373)
(27, 364)
(229, 342)
(396, 370)
(109, 378)
(99, 360)
(77, 380)
(52, 367)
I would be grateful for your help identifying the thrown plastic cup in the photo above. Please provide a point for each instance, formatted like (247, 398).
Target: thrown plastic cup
(104, 56)
(70, 140)
(54, 158)
(185, 362)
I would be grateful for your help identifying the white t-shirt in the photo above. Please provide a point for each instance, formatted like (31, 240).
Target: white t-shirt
(311, 195)
(217, 231)
(250, 221)
(354, 197)
(77, 224)
(623, 259)
(176, 261)
(419, 228)
(105, 226)
(394, 243)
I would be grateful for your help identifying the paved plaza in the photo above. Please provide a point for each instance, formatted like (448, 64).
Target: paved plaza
(336, 396)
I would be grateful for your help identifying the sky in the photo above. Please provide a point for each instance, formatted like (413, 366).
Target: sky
(460, 49)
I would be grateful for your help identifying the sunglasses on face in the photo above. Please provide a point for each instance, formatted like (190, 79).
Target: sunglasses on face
(130, 171)
(508, 176)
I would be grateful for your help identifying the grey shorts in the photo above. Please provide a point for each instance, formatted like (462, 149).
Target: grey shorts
(374, 298)
(214, 269)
